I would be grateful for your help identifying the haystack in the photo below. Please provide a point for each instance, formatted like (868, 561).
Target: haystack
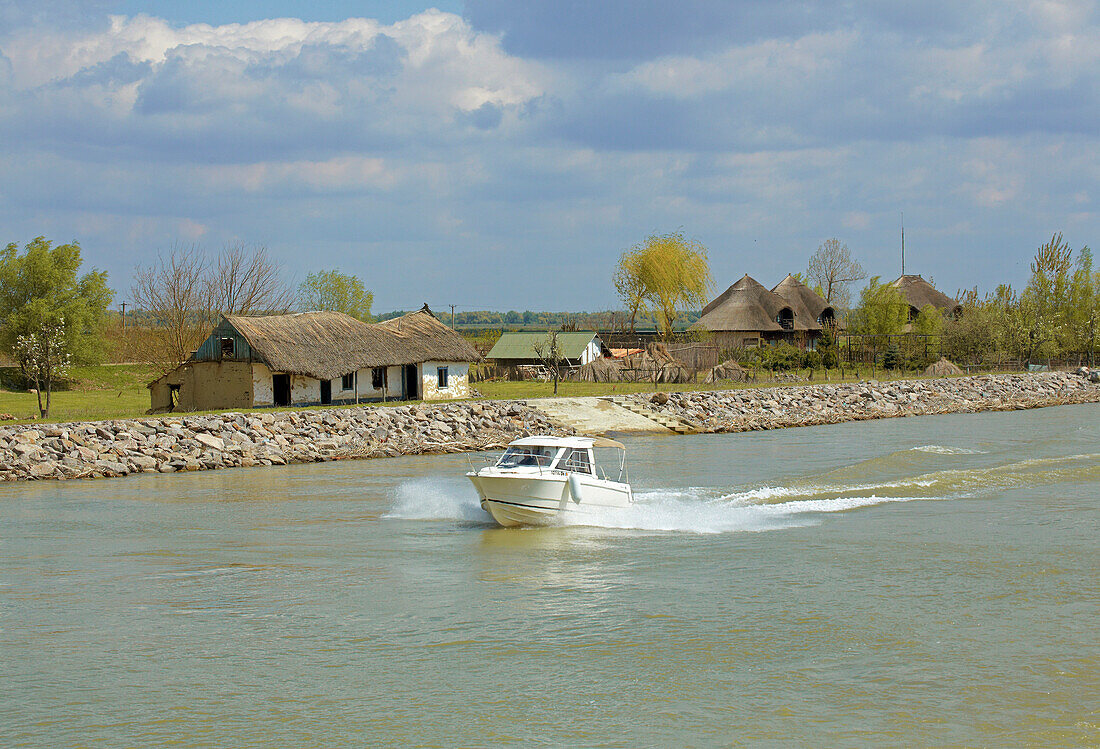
(597, 370)
(727, 370)
(942, 368)
(655, 363)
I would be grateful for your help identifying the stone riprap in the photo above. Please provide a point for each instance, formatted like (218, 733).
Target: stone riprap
(172, 443)
(778, 407)
(177, 442)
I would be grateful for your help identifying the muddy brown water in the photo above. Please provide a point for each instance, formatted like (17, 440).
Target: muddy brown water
(923, 581)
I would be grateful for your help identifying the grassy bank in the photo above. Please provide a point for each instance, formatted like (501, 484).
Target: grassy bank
(110, 391)
(117, 391)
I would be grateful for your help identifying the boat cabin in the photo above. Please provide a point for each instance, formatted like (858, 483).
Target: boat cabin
(561, 454)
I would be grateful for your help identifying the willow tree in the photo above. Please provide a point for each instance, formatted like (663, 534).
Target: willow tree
(630, 284)
(668, 272)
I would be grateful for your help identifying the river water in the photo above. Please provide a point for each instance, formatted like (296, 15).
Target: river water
(923, 581)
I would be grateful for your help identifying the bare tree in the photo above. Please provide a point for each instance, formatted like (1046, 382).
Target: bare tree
(549, 351)
(174, 291)
(186, 293)
(246, 281)
(832, 269)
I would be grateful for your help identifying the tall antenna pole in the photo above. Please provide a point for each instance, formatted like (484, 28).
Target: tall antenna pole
(903, 243)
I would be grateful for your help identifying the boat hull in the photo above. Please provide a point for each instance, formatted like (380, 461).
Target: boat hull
(547, 499)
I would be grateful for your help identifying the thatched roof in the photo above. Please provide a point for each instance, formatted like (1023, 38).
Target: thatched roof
(598, 370)
(326, 345)
(807, 304)
(748, 306)
(421, 337)
(918, 292)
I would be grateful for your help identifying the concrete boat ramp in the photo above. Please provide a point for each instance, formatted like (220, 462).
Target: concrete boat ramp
(593, 415)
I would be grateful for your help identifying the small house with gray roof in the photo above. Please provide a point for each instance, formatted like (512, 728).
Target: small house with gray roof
(517, 349)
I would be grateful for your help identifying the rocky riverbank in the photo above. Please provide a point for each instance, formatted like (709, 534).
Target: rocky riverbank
(167, 444)
(190, 443)
(775, 408)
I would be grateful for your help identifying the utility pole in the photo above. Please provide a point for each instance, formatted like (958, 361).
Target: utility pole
(903, 243)
(124, 318)
(452, 317)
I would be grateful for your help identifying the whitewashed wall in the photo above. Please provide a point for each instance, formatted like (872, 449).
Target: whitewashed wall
(305, 389)
(368, 392)
(262, 394)
(591, 351)
(458, 380)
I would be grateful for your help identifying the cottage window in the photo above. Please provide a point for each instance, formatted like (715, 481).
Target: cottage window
(442, 373)
(227, 348)
(347, 382)
(378, 378)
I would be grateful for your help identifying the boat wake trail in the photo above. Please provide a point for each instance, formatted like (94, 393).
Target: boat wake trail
(798, 502)
(802, 502)
(436, 499)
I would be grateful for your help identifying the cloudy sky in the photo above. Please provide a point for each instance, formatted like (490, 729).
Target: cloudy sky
(501, 153)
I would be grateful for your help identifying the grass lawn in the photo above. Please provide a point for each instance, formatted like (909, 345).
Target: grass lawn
(117, 391)
(110, 391)
(501, 390)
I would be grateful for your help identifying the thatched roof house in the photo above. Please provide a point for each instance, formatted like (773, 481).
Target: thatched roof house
(302, 358)
(324, 345)
(918, 293)
(747, 314)
(806, 303)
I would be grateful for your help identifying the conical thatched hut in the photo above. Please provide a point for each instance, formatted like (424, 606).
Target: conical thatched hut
(809, 306)
(917, 293)
(942, 368)
(747, 314)
(728, 370)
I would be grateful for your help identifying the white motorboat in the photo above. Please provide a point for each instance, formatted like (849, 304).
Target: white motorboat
(538, 480)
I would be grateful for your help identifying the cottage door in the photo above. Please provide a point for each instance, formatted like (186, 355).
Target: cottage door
(326, 392)
(280, 386)
(410, 382)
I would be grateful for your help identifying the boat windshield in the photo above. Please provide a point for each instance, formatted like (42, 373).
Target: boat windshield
(527, 455)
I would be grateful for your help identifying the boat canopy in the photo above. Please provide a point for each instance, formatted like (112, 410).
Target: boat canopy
(581, 442)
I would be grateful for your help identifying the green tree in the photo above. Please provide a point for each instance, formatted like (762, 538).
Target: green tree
(337, 292)
(667, 271)
(882, 310)
(929, 322)
(1081, 329)
(829, 348)
(1042, 306)
(41, 288)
